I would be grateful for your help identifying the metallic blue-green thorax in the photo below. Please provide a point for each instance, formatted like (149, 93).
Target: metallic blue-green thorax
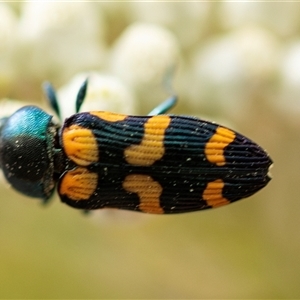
(26, 151)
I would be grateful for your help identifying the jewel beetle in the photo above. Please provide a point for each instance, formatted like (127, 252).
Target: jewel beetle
(159, 163)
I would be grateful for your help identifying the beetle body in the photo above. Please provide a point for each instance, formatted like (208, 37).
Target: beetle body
(154, 164)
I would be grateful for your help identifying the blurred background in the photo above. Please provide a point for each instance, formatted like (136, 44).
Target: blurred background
(234, 63)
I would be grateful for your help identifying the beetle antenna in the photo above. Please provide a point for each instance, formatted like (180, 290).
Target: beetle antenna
(81, 95)
(164, 107)
(51, 97)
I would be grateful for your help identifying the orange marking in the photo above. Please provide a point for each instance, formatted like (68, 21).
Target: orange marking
(108, 116)
(213, 194)
(78, 184)
(152, 147)
(80, 145)
(214, 148)
(148, 191)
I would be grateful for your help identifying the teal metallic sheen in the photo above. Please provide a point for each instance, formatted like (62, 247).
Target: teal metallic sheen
(27, 151)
